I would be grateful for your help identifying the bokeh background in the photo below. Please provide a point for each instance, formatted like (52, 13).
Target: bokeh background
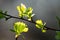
(47, 10)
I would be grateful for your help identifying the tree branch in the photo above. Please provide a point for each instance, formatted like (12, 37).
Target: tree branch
(48, 28)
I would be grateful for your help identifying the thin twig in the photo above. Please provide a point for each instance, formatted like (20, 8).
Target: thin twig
(48, 28)
(16, 38)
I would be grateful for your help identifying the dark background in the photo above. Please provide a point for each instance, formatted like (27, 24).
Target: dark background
(47, 10)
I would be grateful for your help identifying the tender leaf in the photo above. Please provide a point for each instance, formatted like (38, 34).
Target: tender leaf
(44, 23)
(25, 30)
(20, 27)
(19, 9)
(58, 20)
(12, 30)
(25, 12)
(29, 18)
(32, 15)
(43, 30)
(38, 26)
(1, 15)
(29, 10)
(57, 35)
(20, 12)
(39, 23)
(23, 7)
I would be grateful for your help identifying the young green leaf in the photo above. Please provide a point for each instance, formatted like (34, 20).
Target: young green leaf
(40, 25)
(43, 30)
(58, 20)
(57, 35)
(1, 15)
(21, 9)
(12, 30)
(20, 27)
(25, 12)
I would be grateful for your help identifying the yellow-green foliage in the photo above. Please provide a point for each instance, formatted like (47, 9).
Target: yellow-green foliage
(25, 12)
(1, 15)
(40, 25)
(20, 27)
(57, 35)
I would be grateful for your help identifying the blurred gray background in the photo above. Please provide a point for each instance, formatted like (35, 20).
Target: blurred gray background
(47, 10)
